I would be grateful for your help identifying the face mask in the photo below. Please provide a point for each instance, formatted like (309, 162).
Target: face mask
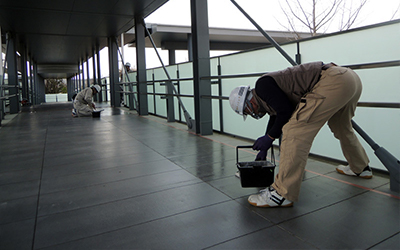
(252, 113)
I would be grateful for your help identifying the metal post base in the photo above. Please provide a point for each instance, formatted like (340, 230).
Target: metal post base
(393, 165)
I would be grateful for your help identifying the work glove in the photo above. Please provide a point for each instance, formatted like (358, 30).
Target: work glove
(262, 155)
(263, 143)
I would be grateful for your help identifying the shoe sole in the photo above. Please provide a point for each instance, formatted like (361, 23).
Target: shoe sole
(364, 177)
(255, 204)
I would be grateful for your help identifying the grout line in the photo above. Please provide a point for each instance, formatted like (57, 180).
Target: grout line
(135, 225)
(356, 185)
(38, 198)
(180, 185)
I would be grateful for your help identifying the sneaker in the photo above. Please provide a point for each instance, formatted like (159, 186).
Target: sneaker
(366, 173)
(269, 197)
(74, 113)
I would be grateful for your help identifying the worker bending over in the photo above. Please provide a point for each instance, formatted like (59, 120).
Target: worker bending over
(300, 100)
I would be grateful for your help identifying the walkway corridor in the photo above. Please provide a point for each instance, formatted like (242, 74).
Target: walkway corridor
(123, 181)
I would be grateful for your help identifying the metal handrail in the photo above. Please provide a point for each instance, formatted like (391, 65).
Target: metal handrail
(7, 97)
(354, 67)
(8, 86)
(395, 105)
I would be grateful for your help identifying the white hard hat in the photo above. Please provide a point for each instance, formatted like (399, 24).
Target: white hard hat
(237, 99)
(97, 87)
(127, 64)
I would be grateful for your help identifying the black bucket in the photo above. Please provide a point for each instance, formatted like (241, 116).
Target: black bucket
(255, 173)
(96, 114)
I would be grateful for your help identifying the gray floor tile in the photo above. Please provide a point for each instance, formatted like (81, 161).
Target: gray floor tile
(270, 238)
(82, 223)
(17, 235)
(195, 229)
(19, 190)
(101, 176)
(18, 210)
(77, 198)
(12, 177)
(355, 223)
(392, 243)
(315, 194)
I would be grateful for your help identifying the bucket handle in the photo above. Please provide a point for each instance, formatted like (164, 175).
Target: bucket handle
(237, 151)
(251, 146)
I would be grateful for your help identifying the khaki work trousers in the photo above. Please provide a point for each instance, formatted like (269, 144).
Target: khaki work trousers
(82, 109)
(333, 99)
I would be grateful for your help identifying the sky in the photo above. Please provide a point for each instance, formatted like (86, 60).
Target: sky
(222, 13)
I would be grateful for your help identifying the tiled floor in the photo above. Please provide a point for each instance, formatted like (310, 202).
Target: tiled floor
(128, 182)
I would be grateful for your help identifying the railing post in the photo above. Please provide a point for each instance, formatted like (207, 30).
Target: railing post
(221, 112)
(389, 161)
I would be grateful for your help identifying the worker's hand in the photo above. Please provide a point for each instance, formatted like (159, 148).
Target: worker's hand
(94, 106)
(263, 143)
(262, 155)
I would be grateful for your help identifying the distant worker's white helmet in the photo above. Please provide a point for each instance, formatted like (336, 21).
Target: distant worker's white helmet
(237, 99)
(127, 64)
(97, 87)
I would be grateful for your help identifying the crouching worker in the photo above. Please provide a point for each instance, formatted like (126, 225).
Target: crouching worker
(300, 100)
(83, 104)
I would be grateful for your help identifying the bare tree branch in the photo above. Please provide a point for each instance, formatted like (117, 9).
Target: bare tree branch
(315, 15)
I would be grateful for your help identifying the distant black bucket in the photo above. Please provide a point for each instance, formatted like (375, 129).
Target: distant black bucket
(96, 114)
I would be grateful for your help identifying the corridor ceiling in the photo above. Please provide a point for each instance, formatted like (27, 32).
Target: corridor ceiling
(63, 32)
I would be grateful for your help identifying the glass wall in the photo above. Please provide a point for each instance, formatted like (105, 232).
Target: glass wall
(56, 98)
(374, 44)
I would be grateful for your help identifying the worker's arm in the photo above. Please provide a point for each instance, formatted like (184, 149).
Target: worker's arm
(268, 90)
(88, 98)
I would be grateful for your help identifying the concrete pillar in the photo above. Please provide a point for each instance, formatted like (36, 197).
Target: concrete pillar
(32, 81)
(83, 83)
(190, 47)
(141, 67)
(70, 88)
(103, 91)
(1, 81)
(171, 57)
(94, 67)
(12, 73)
(114, 74)
(201, 67)
(24, 77)
(96, 97)
(87, 71)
